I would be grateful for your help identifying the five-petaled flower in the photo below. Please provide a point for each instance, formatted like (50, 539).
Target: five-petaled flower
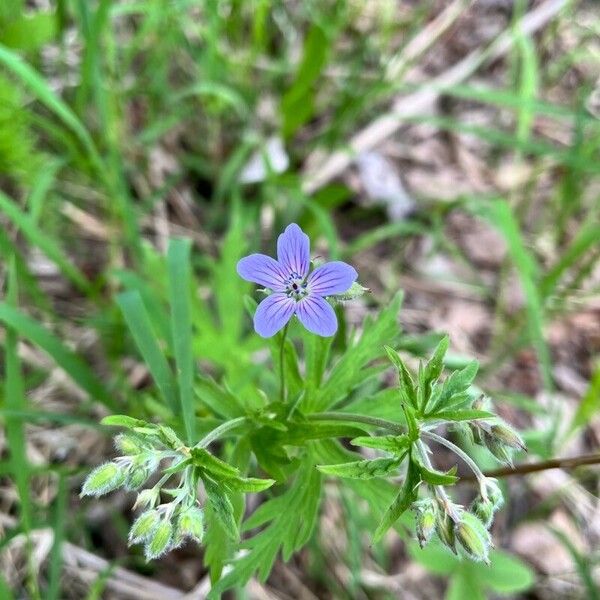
(295, 291)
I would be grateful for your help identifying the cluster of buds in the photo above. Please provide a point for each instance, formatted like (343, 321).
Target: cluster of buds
(136, 463)
(429, 403)
(456, 527)
(495, 435)
(167, 526)
(164, 526)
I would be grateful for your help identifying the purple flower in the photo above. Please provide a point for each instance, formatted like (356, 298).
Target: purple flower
(295, 291)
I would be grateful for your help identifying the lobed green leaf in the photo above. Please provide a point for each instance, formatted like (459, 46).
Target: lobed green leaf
(363, 469)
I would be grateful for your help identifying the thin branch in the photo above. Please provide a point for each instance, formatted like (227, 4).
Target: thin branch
(465, 457)
(353, 418)
(546, 465)
(220, 431)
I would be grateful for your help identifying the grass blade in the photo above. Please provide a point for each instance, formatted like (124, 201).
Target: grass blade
(58, 527)
(500, 215)
(180, 280)
(45, 243)
(42, 91)
(74, 366)
(15, 431)
(589, 404)
(586, 239)
(138, 321)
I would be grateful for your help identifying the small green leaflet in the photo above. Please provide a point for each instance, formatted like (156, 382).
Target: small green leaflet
(299, 433)
(217, 467)
(436, 477)
(411, 422)
(456, 384)
(222, 507)
(407, 385)
(460, 415)
(248, 484)
(407, 495)
(124, 421)
(433, 369)
(363, 469)
(388, 443)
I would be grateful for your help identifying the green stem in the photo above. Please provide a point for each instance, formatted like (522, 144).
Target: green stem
(282, 361)
(439, 490)
(354, 418)
(219, 431)
(465, 457)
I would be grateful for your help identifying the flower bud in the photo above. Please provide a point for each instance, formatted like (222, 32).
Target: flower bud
(478, 434)
(103, 479)
(506, 435)
(473, 537)
(137, 476)
(143, 526)
(142, 466)
(146, 498)
(128, 444)
(465, 430)
(445, 528)
(355, 291)
(494, 493)
(191, 524)
(502, 452)
(483, 510)
(425, 520)
(160, 540)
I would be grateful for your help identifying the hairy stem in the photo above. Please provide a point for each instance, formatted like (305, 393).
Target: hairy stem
(477, 473)
(439, 490)
(354, 418)
(219, 431)
(554, 463)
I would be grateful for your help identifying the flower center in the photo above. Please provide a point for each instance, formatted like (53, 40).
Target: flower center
(296, 287)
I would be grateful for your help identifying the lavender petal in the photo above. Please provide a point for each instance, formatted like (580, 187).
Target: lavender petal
(272, 314)
(293, 250)
(264, 270)
(332, 278)
(317, 316)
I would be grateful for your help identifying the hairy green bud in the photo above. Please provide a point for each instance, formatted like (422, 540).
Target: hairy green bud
(160, 540)
(445, 528)
(147, 498)
(128, 444)
(143, 526)
(355, 291)
(483, 510)
(504, 434)
(190, 524)
(502, 452)
(103, 479)
(494, 493)
(137, 476)
(140, 470)
(473, 537)
(426, 515)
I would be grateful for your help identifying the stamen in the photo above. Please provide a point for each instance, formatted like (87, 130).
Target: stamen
(296, 287)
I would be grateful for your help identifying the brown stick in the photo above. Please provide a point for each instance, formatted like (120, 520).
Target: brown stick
(554, 463)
